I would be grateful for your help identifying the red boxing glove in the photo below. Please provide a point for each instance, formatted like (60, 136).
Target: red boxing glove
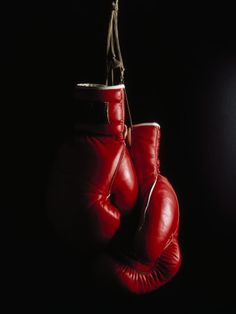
(145, 254)
(93, 182)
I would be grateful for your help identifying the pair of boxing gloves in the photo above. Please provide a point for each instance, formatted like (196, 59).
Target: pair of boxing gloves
(109, 199)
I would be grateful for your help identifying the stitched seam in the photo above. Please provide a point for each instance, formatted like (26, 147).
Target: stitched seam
(116, 170)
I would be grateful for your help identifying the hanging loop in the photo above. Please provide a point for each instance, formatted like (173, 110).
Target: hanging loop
(114, 63)
(114, 59)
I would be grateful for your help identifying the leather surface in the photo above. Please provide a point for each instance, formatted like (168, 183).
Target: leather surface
(160, 220)
(114, 100)
(145, 253)
(93, 181)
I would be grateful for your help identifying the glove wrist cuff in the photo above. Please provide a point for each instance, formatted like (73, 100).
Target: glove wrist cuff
(100, 109)
(145, 149)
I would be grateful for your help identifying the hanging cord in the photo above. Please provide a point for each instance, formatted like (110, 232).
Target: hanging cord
(114, 60)
(113, 54)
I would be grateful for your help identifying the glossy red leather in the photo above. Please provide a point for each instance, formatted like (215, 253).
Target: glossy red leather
(93, 181)
(159, 205)
(153, 256)
(114, 99)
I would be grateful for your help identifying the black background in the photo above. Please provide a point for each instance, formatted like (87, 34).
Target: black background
(180, 72)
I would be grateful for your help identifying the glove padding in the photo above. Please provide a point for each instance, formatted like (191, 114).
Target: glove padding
(93, 182)
(145, 253)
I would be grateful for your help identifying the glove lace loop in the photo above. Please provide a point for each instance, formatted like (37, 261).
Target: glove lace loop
(114, 60)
